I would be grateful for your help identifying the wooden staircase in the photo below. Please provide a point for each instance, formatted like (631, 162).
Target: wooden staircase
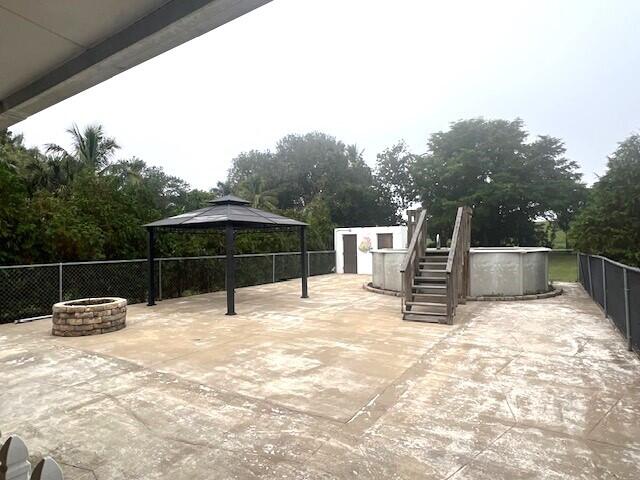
(428, 299)
(435, 280)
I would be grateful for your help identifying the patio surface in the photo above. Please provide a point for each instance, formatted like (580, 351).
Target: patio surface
(334, 386)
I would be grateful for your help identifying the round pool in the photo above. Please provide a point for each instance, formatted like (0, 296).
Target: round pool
(494, 271)
(509, 271)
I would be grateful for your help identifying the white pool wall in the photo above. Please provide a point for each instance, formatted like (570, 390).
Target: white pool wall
(509, 271)
(494, 271)
(386, 268)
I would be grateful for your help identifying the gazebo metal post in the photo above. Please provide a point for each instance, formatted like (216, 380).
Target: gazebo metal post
(230, 270)
(303, 262)
(151, 293)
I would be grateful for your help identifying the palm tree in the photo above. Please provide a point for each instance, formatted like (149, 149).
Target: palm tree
(130, 172)
(91, 148)
(37, 174)
(9, 163)
(354, 156)
(253, 189)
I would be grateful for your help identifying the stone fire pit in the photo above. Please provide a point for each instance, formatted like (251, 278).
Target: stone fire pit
(89, 316)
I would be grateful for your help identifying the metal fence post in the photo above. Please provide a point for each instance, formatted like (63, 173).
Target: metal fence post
(273, 268)
(589, 272)
(579, 267)
(604, 288)
(309, 263)
(159, 279)
(627, 318)
(60, 282)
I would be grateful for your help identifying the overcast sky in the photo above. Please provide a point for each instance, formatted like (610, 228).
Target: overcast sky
(371, 72)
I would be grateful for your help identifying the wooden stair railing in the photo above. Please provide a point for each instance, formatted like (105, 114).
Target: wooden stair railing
(417, 230)
(435, 280)
(457, 270)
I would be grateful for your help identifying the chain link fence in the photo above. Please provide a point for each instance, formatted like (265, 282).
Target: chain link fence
(28, 291)
(616, 288)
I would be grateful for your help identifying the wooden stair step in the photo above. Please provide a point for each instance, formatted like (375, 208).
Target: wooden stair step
(416, 312)
(424, 317)
(425, 304)
(430, 297)
(430, 279)
(430, 270)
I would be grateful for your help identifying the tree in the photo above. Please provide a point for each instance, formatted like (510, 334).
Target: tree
(310, 167)
(9, 146)
(393, 177)
(609, 225)
(509, 182)
(253, 189)
(247, 165)
(91, 148)
(320, 231)
(313, 164)
(16, 216)
(129, 172)
(221, 189)
(81, 206)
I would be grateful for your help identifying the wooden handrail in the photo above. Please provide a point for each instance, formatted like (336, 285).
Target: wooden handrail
(457, 269)
(414, 240)
(454, 239)
(414, 251)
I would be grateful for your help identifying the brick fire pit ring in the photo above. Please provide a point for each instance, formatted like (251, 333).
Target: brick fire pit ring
(89, 316)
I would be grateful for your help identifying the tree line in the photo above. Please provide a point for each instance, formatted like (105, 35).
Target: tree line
(86, 204)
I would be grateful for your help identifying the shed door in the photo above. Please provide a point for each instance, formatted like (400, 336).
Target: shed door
(385, 240)
(350, 252)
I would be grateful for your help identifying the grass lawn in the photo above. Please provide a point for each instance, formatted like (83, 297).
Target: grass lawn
(560, 240)
(563, 267)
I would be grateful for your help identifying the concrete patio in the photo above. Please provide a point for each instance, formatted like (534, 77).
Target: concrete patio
(334, 386)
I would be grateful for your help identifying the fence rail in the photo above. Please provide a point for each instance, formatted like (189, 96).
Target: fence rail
(29, 291)
(616, 288)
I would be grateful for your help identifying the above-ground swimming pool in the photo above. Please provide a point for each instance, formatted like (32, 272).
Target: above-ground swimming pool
(509, 271)
(494, 271)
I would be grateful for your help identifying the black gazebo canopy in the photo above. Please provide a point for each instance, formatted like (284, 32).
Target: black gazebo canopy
(231, 214)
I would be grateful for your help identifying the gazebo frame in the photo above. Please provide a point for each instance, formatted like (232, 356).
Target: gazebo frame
(233, 215)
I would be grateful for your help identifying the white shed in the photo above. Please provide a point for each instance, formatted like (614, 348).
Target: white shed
(353, 246)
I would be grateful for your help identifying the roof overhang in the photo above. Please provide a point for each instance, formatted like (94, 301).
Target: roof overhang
(57, 49)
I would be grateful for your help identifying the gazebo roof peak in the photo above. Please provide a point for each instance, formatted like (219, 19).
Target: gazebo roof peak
(227, 210)
(229, 200)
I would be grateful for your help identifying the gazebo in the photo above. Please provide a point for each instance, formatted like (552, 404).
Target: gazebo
(233, 215)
